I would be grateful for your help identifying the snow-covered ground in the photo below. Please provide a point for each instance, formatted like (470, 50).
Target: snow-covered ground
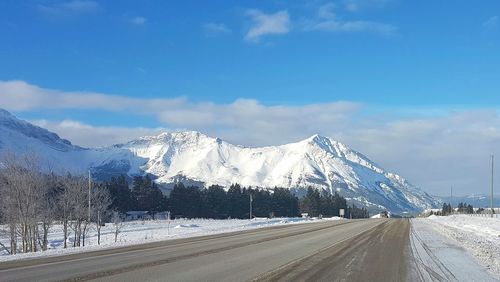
(138, 232)
(458, 247)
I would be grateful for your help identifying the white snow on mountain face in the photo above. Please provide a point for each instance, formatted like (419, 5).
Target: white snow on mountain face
(317, 161)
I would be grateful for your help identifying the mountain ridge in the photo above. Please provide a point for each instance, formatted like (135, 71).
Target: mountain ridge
(191, 156)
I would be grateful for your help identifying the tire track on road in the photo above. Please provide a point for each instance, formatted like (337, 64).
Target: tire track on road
(352, 259)
(447, 275)
(134, 267)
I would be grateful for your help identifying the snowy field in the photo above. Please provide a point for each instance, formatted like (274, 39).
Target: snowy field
(139, 232)
(451, 235)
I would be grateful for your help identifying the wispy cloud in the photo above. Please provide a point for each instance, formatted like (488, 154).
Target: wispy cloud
(266, 24)
(69, 8)
(358, 5)
(327, 20)
(351, 26)
(215, 29)
(491, 22)
(139, 20)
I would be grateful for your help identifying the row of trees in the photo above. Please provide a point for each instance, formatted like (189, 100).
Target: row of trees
(317, 203)
(144, 195)
(216, 202)
(463, 208)
(32, 201)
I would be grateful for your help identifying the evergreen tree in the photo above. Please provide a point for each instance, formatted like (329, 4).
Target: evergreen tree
(121, 196)
(284, 203)
(311, 203)
(186, 201)
(238, 202)
(215, 203)
(262, 204)
(148, 195)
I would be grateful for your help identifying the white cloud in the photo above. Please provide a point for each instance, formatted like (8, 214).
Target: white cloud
(69, 8)
(139, 20)
(491, 22)
(21, 96)
(434, 150)
(266, 24)
(327, 20)
(85, 135)
(215, 29)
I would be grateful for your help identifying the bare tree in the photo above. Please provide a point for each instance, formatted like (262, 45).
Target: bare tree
(117, 223)
(5, 248)
(48, 207)
(32, 200)
(101, 200)
(4, 214)
(8, 212)
(23, 184)
(77, 192)
(64, 206)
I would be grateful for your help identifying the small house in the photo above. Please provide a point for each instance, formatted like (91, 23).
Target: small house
(138, 215)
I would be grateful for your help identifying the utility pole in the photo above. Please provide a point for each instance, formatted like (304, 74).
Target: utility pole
(451, 199)
(99, 227)
(491, 195)
(251, 200)
(90, 185)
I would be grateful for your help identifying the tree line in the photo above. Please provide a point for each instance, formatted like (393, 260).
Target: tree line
(462, 208)
(220, 203)
(192, 202)
(317, 203)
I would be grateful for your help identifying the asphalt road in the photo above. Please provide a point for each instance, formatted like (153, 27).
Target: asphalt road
(356, 250)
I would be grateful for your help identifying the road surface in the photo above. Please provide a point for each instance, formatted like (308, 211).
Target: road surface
(351, 250)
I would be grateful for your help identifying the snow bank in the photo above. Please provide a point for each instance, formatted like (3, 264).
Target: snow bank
(439, 258)
(137, 232)
(479, 235)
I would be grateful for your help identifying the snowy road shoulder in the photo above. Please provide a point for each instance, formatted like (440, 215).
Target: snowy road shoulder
(438, 256)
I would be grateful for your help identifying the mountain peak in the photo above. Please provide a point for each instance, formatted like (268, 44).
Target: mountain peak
(318, 138)
(323, 142)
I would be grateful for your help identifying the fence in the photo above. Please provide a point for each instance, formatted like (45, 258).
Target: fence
(496, 215)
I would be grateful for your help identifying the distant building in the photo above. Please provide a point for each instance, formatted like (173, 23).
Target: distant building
(138, 215)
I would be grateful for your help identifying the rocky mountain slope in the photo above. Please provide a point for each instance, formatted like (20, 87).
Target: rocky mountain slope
(193, 157)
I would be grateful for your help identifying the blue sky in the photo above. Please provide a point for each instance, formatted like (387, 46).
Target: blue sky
(439, 53)
(424, 73)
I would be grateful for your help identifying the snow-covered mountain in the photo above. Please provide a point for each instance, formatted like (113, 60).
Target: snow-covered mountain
(193, 157)
(476, 200)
